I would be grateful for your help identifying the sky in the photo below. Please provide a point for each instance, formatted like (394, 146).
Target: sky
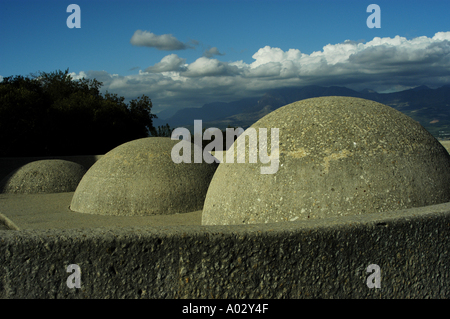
(185, 53)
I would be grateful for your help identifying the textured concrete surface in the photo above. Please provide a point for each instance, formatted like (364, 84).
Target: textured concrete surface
(305, 259)
(7, 224)
(338, 156)
(446, 144)
(140, 178)
(324, 258)
(9, 164)
(51, 211)
(44, 176)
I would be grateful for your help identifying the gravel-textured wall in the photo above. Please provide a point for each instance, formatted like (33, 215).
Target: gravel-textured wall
(307, 259)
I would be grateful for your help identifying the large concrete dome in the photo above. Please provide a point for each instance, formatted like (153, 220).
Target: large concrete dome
(140, 178)
(45, 176)
(337, 156)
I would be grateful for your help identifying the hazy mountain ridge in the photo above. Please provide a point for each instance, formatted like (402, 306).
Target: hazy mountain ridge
(208, 112)
(430, 107)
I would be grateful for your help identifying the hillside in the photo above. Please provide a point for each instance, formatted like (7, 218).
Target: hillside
(430, 107)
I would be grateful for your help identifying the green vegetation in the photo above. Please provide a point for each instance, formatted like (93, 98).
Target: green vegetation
(52, 114)
(162, 131)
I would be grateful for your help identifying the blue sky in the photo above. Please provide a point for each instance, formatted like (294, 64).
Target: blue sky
(187, 53)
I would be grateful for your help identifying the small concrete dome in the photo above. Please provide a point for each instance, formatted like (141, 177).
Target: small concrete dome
(45, 176)
(140, 178)
(337, 156)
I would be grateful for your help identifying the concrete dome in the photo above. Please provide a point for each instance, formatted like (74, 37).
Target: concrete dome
(45, 176)
(139, 178)
(337, 156)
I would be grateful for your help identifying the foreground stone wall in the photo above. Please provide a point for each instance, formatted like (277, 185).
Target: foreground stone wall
(305, 259)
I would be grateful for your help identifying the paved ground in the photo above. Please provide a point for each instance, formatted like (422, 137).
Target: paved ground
(45, 211)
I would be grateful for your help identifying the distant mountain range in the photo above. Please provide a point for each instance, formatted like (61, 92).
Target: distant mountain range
(430, 107)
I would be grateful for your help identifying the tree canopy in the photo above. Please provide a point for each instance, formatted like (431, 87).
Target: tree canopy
(52, 114)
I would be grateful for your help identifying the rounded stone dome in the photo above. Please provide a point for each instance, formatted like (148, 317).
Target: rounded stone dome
(45, 176)
(140, 178)
(337, 156)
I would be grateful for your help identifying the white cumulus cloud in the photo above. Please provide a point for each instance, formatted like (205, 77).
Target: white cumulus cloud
(209, 67)
(379, 64)
(168, 63)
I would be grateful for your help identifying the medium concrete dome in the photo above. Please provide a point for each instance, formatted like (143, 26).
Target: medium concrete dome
(140, 178)
(45, 176)
(337, 156)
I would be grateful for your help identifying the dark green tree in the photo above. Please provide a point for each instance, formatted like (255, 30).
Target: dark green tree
(52, 114)
(163, 131)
